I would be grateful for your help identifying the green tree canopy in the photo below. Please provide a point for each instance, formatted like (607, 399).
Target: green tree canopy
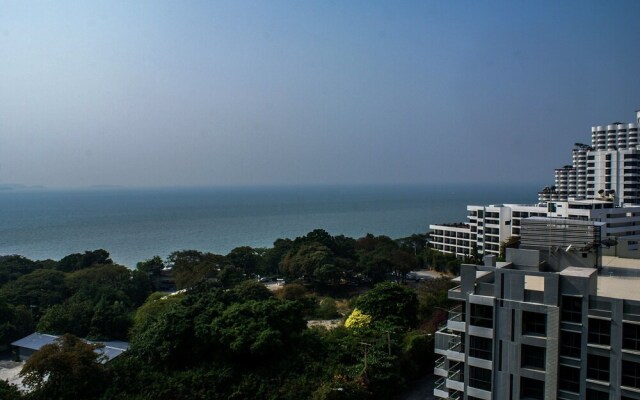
(380, 255)
(250, 290)
(152, 266)
(8, 391)
(104, 297)
(14, 266)
(257, 328)
(15, 322)
(156, 304)
(304, 261)
(390, 302)
(77, 261)
(244, 258)
(191, 267)
(41, 288)
(67, 369)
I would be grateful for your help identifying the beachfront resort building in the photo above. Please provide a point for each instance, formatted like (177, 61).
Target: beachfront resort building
(489, 226)
(556, 320)
(608, 168)
(602, 185)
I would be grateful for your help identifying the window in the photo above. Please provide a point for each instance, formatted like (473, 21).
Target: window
(630, 374)
(630, 336)
(534, 323)
(599, 331)
(531, 389)
(481, 315)
(598, 367)
(570, 344)
(532, 357)
(569, 379)
(593, 394)
(480, 347)
(480, 378)
(572, 309)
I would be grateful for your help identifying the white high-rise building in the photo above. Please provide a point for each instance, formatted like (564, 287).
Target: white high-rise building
(609, 168)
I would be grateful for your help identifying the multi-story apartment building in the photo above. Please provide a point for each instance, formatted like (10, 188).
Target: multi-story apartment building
(455, 238)
(609, 167)
(489, 226)
(546, 324)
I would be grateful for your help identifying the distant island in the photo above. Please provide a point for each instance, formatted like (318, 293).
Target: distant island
(15, 186)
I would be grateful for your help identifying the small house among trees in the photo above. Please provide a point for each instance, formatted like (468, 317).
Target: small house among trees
(25, 347)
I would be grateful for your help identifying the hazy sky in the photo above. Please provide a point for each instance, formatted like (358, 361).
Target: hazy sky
(152, 93)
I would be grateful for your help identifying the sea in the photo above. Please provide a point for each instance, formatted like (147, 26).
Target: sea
(136, 224)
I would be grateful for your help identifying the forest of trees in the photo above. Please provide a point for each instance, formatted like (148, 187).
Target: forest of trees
(227, 336)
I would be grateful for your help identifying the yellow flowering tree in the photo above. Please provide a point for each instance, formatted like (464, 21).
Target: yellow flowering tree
(358, 319)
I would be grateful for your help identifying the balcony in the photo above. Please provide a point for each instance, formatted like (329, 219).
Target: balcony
(449, 344)
(455, 379)
(440, 388)
(456, 395)
(456, 293)
(440, 368)
(456, 319)
(456, 372)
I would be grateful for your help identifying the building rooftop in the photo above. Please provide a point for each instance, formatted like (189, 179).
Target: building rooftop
(577, 271)
(453, 225)
(36, 341)
(610, 262)
(619, 287)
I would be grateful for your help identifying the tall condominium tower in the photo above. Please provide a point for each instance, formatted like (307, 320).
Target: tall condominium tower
(548, 323)
(608, 168)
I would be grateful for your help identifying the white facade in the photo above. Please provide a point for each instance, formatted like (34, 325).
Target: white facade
(488, 226)
(535, 328)
(610, 166)
(452, 238)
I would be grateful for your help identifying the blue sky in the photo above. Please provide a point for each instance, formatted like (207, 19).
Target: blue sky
(153, 93)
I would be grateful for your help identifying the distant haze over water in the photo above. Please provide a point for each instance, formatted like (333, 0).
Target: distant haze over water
(136, 224)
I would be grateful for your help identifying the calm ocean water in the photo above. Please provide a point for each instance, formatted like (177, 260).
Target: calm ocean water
(136, 224)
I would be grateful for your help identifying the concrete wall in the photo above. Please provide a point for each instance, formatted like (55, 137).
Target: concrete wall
(626, 248)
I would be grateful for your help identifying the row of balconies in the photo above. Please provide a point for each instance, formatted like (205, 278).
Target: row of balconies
(441, 240)
(450, 234)
(450, 368)
(449, 240)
